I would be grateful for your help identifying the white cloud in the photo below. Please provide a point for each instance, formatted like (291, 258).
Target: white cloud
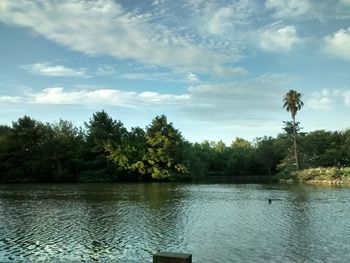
(192, 77)
(288, 8)
(279, 39)
(346, 97)
(112, 97)
(177, 75)
(220, 21)
(47, 69)
(345, 2)
(338, 44)
(324, 100)
(158, 2)
(152, 76)
(106, 70)
(252, 100)
(103, 27)
(9, 99)
(155, 97)
(221, 26)
(195, 3)
(321, 100)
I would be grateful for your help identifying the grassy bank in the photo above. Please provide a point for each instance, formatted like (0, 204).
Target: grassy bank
(329, 175)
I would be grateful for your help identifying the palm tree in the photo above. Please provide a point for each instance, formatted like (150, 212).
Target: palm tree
(293, 103)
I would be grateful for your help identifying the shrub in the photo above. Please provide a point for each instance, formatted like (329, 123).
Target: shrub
(286, 170)
(318, 173)
(344, 172)
(323, 174)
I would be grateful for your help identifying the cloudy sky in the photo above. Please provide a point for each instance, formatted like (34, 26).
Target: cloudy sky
(217, 68)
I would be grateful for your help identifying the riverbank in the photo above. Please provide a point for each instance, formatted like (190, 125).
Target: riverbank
(329, 182)
(323, 176)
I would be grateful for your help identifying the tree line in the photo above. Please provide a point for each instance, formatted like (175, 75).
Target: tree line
(105, 151)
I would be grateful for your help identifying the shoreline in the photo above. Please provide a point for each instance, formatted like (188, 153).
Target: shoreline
(328, 182)
(318, 182)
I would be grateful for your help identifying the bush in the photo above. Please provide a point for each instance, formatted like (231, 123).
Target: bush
(344, 172)
(286, 170)
(329, 173)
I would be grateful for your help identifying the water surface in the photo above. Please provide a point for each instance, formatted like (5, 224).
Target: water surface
(215, 222)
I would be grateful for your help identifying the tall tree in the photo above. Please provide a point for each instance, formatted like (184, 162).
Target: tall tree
(293, 103)
(322, 149)
(164, 158)
(128, 155)
(67, 147)
(101, 130)
(345, 148)
(5, 150)
(158, 153)
(267, 153)
(29, 151)
(240, 158)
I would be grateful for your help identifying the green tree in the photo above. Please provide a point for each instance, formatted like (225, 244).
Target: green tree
(67, 151)
(284, 147)
(345, 148)
(268, 154)
(164, 158)
(102, 130)
(322, 148)
(158, 153)
(293, 103)
(219, 158)
(240, 158)
(285, 141)
(194, 159)
(5, 151)
(29, 151)
(200, 157)
(128, 155)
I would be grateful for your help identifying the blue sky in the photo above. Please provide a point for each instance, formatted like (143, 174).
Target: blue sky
(217, 68)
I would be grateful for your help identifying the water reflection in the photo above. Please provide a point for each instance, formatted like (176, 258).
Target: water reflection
(130, 222)
(298, 220)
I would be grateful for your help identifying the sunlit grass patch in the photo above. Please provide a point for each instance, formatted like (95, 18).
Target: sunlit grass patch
(323, 174)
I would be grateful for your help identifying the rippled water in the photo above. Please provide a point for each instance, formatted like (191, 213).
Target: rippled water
(214, 222)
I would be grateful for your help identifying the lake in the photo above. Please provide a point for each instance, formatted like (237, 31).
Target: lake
(214, 222)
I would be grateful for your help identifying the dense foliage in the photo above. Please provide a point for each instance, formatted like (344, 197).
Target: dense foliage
(104, 150)
(328, 175)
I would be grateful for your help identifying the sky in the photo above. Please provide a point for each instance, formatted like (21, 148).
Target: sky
(218, 69)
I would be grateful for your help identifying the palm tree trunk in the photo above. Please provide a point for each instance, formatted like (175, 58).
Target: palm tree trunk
(295, 144)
